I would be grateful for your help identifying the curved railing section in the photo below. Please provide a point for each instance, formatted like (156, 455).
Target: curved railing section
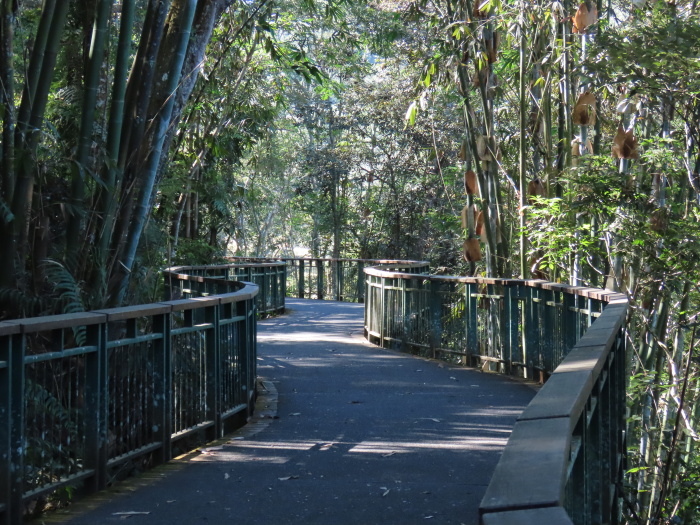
(333, 279)
(267, 274)
(565, 458)
(86, 398)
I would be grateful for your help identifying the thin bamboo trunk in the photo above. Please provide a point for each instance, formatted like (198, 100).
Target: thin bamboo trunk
(183, 23)
(82, 159)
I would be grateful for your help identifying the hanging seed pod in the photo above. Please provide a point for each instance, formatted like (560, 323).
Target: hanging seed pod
(624, 144)
(481, 76)
(479, 229)
(465, 217)
(584, 18)
(491, 45)
(462, 155)
(576, 147)
(482, 148)
(535, 188)
(585, 110)
(472, 250)
(471, 184)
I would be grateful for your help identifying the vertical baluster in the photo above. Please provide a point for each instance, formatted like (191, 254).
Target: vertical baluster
(435, 303)
(213, 367)
(162, 324)
(11, 422)
(472, 326)
(300, 289)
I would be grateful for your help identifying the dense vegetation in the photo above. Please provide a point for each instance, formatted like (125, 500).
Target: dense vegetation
(526, 139)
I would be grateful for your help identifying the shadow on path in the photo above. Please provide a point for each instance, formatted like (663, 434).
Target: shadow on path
(347, 433)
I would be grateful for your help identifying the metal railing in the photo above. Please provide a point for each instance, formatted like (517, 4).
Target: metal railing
(88, 397)
(334, 279)
(565, 458)
(267, 274)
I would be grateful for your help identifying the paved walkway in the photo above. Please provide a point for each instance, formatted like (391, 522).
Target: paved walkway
(347, 433)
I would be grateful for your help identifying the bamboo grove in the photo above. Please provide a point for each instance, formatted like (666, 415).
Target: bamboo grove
(581, 161)
(547, 139)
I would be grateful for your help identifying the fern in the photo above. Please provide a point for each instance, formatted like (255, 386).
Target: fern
(70, 293)
(5, 213)
(19, 304)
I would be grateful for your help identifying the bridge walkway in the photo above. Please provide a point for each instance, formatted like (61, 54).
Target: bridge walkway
(345, 433)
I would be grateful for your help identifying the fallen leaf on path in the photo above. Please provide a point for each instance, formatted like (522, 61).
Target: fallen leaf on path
(387, 455)
(386, 492)
(287, 478)
(130, 513)
(295, 414)
(209, 450)
(226, 476)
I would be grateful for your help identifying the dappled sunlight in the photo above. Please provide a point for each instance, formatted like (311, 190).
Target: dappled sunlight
(464, 443)
(306, 337)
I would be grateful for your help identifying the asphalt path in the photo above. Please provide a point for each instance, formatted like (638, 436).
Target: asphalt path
(344, 433)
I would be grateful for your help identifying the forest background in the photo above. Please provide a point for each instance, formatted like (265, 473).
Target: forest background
(542, 139)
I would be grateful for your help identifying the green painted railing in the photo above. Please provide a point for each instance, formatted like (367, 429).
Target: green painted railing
(86, 398)
(565, 458)
(268, 275)
(332, 279)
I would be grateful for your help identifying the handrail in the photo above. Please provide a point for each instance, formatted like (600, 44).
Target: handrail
(335, 279)
(565, 458)
(87, 396)
(268, 275)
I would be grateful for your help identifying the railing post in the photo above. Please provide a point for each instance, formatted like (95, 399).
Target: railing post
(96, 364)
(163, 366)
(300, 281)
(382, 312)
(213, 359)
(435, 303)
(338, 280)
(320, 284)
(511, 353)
(361, 282)
(531, 330)
(12, 422)
(471, 324)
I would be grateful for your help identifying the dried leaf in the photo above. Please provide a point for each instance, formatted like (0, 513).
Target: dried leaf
(584, 18)
(463, 151)
(386, 492)
(287, 478)
(624, 144)
(585, 109)
(479, 229)
(471, 184)
(491, 45)
(482, 148)
(130, 513)
(472, 250)
(209, 450)
(536, 188)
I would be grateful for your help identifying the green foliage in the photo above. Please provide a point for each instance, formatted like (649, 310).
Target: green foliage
(196, 252)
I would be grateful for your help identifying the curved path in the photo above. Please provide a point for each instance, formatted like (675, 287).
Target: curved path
(345, 433)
